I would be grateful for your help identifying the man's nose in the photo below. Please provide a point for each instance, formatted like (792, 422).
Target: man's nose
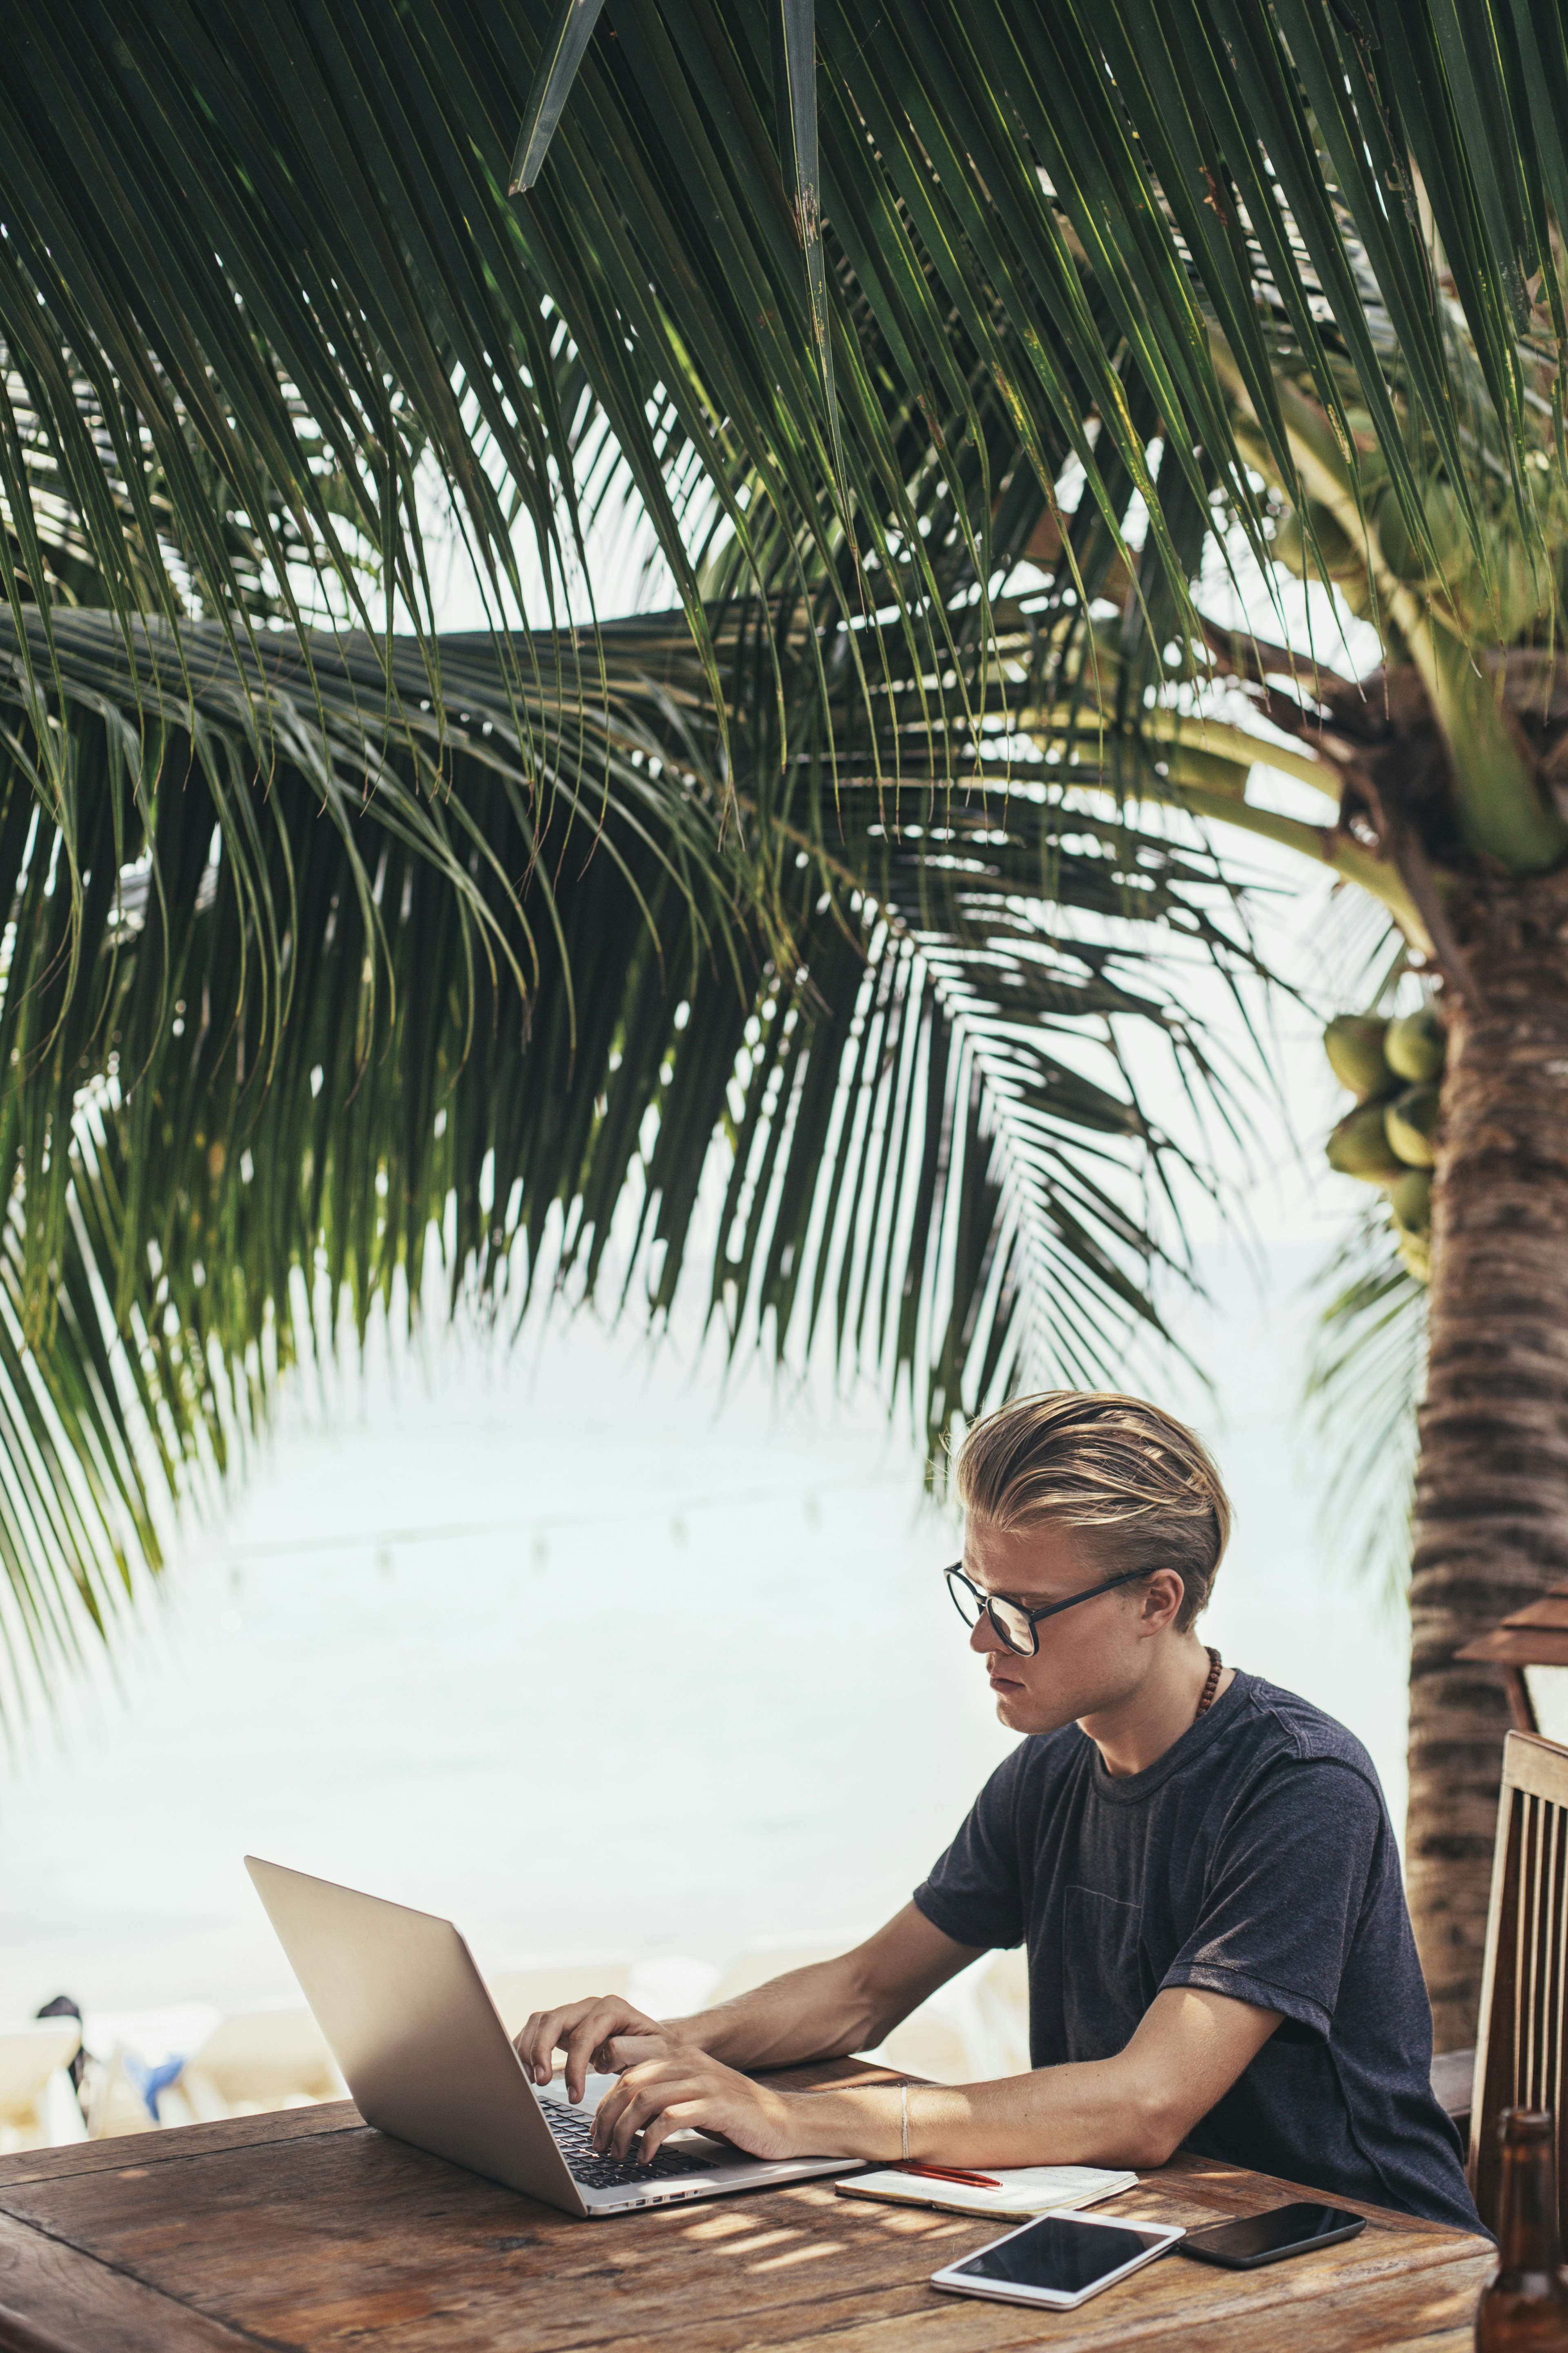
(983, 1636)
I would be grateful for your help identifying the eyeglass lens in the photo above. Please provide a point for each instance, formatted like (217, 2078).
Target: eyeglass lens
(1011, 1622)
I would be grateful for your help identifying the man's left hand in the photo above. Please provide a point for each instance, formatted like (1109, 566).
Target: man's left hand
(669, 2087)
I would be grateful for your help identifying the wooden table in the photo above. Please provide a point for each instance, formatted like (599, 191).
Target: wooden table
(307, 2232)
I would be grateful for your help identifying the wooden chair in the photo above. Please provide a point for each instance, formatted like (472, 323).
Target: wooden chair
(1535, 1636)
(1519, 2051)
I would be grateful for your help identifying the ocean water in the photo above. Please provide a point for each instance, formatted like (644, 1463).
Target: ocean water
(565, 1646)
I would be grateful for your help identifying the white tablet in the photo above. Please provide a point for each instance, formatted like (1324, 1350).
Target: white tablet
(1059, 2260)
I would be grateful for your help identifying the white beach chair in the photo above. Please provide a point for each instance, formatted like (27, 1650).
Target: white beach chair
(930, 2042)
(38, 2105)
(766, 1961)
(971, 2029)
(974, 2028)
(259, 2059)
(114, 2102)
(518, 1993)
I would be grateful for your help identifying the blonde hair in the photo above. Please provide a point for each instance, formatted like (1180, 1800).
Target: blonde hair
(1143, 1482)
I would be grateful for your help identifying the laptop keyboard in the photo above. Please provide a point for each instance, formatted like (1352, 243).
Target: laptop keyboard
(573, 2139)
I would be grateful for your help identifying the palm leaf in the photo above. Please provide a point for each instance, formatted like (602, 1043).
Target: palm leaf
(1076, 194)
(564, 43)
(1363, 1385)
(338, 982)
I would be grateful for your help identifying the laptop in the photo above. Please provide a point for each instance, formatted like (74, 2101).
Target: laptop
(423, 2050)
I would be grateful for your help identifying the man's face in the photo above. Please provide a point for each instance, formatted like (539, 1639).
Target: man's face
(1090, 1657)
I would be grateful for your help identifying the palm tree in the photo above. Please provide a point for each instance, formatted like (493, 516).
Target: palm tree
(957, 361)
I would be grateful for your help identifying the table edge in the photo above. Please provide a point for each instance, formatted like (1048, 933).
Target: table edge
(173, 2143)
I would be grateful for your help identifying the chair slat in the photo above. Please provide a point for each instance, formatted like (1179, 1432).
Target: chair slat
(1520, 2047)
(1556, 1972)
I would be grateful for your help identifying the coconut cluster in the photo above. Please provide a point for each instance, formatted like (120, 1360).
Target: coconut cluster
(1499, 585)
(1395, 1071)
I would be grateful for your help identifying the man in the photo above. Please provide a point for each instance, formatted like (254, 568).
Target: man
(1201, 1865)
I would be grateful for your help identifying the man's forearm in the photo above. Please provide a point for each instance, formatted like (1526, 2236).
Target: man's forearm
(1097, 2113)
(821, 2012)
(834, 2007)
(1134, 2109)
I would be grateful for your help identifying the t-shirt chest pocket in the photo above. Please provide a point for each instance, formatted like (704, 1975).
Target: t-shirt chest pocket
(1103, 1993)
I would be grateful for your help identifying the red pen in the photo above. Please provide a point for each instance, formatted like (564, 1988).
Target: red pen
(950, 2173)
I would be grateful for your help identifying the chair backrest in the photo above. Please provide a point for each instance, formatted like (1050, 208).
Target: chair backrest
(1520, 2048)
(28, 2058)
(264, 2056)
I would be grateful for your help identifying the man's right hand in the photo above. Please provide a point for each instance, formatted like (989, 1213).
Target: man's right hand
(581, 2028)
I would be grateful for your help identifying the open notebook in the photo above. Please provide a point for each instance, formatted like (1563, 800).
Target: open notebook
(1022, 2189)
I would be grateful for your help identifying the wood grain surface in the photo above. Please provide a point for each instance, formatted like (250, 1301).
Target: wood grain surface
(309, 2232)
(55, 2299)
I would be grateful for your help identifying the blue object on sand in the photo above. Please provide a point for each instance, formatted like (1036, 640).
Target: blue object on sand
(151, 2081)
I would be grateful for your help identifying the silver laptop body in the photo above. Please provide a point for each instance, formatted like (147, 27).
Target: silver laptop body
(422, 2047)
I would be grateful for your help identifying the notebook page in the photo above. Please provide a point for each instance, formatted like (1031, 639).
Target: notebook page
(1022, 2189)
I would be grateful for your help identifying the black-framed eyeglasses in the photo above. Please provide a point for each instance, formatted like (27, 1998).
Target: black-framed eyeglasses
(1010, 1621)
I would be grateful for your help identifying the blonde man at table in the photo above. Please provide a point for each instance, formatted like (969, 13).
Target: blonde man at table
(1201, 1866)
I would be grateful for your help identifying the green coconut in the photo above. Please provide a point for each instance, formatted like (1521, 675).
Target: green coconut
(1449, 531)
(1316, 543)
(1409, 1120)
(1415, 1045)
(1372, 464)
(1403, 558)
(1448, 540)
(1415, 1256)
(1290, 545)
(1359, 1147)
(1354, 1044)
(1355, 586)
(1506, 595)
(1411, 1201)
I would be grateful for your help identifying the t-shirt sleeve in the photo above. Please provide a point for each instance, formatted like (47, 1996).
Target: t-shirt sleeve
(1286, 1891)
(974, 1895)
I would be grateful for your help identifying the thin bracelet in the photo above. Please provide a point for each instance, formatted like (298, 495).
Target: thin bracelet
(904, 2119)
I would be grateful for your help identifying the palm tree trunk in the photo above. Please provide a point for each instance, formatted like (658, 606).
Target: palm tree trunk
(1491, 1496)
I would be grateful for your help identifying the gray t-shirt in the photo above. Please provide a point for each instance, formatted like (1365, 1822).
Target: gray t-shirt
(1255, 1859)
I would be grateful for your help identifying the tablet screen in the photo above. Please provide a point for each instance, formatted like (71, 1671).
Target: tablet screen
(1058, 2251)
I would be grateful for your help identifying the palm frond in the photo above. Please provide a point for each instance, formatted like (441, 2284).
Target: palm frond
(1215, 166)
(861, 864)
(304, 984)
(1363, 1385)
(261, 263)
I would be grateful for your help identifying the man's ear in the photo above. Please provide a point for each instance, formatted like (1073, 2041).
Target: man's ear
(1163, 1598)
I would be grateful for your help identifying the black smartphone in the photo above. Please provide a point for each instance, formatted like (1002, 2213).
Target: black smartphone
(1255, 2238)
